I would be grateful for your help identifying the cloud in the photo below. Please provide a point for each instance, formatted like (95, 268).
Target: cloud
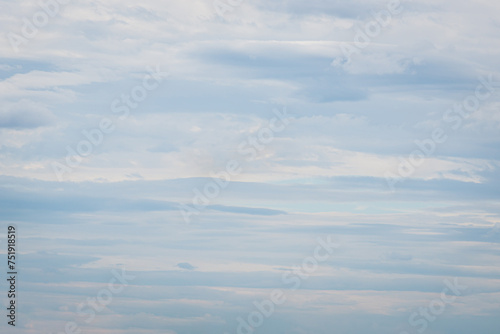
(25, 115)
(350, 122)
(6, 67)
(185, 265)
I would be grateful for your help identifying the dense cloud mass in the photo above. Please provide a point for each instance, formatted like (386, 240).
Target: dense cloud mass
(180, 163)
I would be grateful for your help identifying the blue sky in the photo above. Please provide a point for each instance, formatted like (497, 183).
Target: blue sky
(349, 160)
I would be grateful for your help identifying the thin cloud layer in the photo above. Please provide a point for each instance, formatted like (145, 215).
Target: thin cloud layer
(274, 124)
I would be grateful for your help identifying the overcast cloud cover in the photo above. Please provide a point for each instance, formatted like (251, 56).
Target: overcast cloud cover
(389, 142)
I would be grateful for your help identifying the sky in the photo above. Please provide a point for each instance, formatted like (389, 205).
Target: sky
(172, 166)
